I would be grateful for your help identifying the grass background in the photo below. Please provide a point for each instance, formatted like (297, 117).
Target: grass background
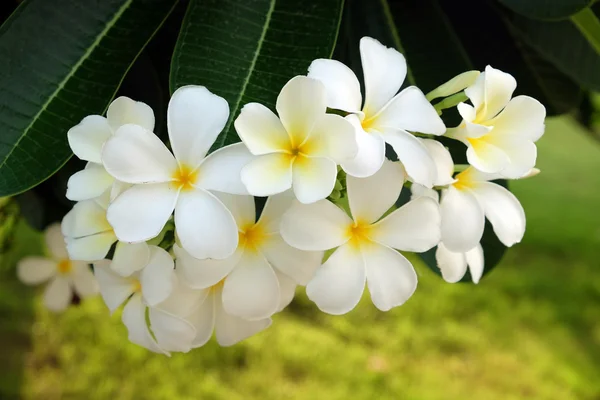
(529, 330)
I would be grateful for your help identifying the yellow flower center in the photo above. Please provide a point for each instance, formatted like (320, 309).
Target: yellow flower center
(464, 180)
(217, 285)
(185, 177)
(368, 123)
(252, 237)
(136, 286)
(358, 233)
(65, 266)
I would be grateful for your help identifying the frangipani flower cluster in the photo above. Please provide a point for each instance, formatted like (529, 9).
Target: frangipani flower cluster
(191, 251)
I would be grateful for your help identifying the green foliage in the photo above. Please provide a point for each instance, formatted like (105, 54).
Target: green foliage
(51, 76)
(547, 9)
(246, 51)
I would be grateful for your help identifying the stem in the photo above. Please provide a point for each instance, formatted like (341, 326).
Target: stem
(460, 167)
(589, 26)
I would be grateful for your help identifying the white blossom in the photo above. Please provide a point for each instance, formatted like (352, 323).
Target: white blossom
(386, 115)
(64, 275)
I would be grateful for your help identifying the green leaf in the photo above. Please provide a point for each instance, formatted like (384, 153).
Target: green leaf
(562, 44)
(491, 40)
(247, 51)
(60, 61)
(547, 9)
(589, 26)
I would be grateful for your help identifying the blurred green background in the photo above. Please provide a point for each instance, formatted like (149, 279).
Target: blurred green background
(529, 330)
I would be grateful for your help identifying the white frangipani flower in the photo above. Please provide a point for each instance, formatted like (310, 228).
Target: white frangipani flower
(499, 131)
(142, 290)
(64, 275)
(261, 276)
(203, 308)
(87, 138)
(366, 243)
(454, 265)
(89, 237)
(385, 116)
(466, 203)
(301, 148)
(163, 183)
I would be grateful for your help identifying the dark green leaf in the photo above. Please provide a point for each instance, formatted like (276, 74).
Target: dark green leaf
(546, 9)
(245, 51)
(490, 40)
(60, 61)
(563, 45)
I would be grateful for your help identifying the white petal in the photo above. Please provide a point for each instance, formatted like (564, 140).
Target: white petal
(84, 281)
(462, 220)
(503, 210)
(409, 110)
(203, 317)
(476, 93)
(130, 258)
(313, 178)
(499, 87)
(140, 213)
(114, 288)
(124, 111)
(275, 207)
(475, 260)
(370, 155)
(453, 265)
(251, 290)
(221, 170)
(200, 274)
(466, 111)
(390, 276)
(486, 156)
(85, 218)
(417, 161)
(158, 277)
(417, 191)
(269, 174)
(172, 333)
(58, 294)
(88, 183)
(261, 130)
(338, 285)
(332, 137)
(230, 330)
(87, 138)
(91, 248)
(134, 318)
(384, 71)
(205, 227)
(34, 270)
(242, 208)
(183, 300)
(297, 264)
(522, 155)
(315, 227)
(523, 118)
(55, 241)
(287, 290)
(443, 162)
(413, 227)
(341, 85)
(300, 105)
(136, 155)
(371, 197)
(194, 120)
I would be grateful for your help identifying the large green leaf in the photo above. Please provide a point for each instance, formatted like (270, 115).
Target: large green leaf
(563, 45)
(60, 61)
(547, 9)
(245, 51)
